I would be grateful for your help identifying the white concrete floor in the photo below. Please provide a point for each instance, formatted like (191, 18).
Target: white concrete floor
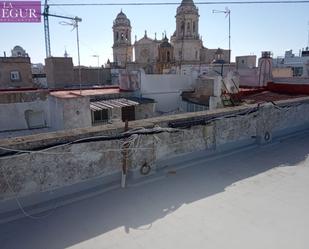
(254, 199)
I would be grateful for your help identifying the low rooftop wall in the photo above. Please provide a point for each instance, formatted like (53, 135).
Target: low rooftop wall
(288, 88)
(80, 159)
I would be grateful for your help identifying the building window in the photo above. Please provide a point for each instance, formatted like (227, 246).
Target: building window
(297, 71)
(194, 27)
(15, 76)
(100, 117)
(196, 54)
(168, 56)
(163, 57)
(182, 27)
(117, 36)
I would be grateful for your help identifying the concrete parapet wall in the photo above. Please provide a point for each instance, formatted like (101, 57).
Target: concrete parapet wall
(102, 158)
(248, 77)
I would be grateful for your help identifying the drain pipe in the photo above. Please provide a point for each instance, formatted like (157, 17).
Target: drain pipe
(125, 158)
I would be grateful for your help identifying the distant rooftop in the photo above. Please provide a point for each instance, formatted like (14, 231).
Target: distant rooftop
(65, 93)
(84, 92)
(268, 96)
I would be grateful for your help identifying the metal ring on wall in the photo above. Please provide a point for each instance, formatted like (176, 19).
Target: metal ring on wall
(267, 136)
(145, 169)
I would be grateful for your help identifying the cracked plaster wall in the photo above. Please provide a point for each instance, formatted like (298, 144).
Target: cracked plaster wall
(65, 166)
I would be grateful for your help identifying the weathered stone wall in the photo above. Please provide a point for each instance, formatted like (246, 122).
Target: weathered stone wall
(9, 97)
(59, 71)
(59, 167)
(19, 64)
(93, 76)
(207, 132)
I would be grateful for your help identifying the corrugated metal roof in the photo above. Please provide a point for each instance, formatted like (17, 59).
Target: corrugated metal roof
(111, 103)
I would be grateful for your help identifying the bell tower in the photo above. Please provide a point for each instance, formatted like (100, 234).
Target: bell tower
(166, 56)
(186, 39)
(187, 21)
(122, 48)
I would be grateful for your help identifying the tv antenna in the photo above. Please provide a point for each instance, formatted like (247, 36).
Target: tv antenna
(308, 36)
(46, 16)
(227, 13)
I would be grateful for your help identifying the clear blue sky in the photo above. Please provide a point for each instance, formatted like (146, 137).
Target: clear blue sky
(258, 27)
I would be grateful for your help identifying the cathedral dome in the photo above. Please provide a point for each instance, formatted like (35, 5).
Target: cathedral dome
(122, 20)
(18, 51)
(18, 48)
(187, 2)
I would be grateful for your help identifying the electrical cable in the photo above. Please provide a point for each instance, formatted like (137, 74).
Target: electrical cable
(207, 120)
(138, 131)
(42, 149)
(131, 143)
(20, 206)
(177, 3)
(127, 145)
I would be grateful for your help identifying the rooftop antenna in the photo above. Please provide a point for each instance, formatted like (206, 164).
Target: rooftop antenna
(66, 52)
(74, 24)
(308, 36)
(98, 60)
(227, 13)
(46, 29)
(46, 16)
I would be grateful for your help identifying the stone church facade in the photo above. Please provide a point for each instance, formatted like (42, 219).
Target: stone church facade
(155, 56)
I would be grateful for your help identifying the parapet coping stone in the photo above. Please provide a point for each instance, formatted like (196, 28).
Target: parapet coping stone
(45, 139)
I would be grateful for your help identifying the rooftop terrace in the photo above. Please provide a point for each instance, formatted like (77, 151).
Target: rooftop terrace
(256, 198)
